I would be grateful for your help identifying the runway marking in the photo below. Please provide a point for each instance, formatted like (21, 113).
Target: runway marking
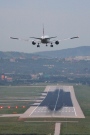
(75, 111)
(33, 111)
(38, 105)
(56, 101)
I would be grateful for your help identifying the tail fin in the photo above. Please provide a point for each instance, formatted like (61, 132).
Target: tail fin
(43, 30)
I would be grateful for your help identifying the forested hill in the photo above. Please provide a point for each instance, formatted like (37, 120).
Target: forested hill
(9, 55)
(71, 52)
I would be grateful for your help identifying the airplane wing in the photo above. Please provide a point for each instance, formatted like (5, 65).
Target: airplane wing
(14, 38)
(45, 37)
(27, 40)
(19, 39)
(51, 37)
(74, 37)
(57, 41)
(68, 38)
(36, 38)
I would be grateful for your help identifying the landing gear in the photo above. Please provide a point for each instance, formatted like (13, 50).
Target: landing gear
(51, 45)
(38, 45)
(46, 45)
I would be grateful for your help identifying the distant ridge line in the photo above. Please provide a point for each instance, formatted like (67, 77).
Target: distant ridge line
(69, 52)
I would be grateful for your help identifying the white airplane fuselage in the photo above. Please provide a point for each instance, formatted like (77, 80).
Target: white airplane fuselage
(45, 39)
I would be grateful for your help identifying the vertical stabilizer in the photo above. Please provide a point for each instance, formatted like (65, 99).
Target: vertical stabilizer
(43, 30)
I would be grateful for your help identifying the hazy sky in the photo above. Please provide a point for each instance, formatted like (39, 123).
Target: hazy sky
(61, 18)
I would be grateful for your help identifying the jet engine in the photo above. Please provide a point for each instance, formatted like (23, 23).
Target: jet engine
(56, 42)
(33, 42)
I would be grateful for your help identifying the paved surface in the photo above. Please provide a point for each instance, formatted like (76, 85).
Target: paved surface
(56, 101)
(59, 101)
(10, 115)
(57, 128)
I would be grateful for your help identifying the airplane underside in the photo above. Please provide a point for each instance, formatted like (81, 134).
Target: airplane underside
(45, 41)
(38, 45)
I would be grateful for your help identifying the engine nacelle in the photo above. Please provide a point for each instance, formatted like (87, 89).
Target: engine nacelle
(57, 42)
(33, 42)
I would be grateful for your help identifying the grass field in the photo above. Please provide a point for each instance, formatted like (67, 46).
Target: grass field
(83, 97)
(13, 125)
(18, 98)
(83, 126)
(46, 125)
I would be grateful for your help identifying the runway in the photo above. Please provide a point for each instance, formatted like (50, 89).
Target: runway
(44, 112)
(58, 101)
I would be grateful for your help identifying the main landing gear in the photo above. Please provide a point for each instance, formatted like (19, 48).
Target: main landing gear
(38, 45)
(51, 45)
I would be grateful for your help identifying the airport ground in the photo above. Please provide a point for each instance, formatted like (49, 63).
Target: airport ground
(41, 125)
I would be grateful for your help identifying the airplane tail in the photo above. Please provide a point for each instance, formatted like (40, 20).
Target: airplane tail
(43, 30)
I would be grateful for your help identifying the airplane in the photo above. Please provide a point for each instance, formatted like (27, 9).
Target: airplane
(44, 40)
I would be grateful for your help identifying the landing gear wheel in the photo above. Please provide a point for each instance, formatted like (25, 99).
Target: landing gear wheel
(46, 45)
(38, 45)
(51, 45)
